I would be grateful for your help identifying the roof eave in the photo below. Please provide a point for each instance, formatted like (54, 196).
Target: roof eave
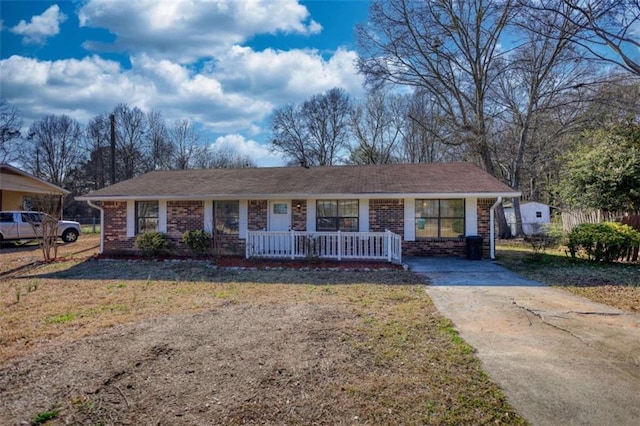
(57, 190)
(484, 194)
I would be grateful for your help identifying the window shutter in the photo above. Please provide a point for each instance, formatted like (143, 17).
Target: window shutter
(471, 216)
(409, 219)
(131, 219)
(162, 216)
(243, 221)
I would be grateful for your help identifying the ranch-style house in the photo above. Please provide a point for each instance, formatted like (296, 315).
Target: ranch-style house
(340, 212)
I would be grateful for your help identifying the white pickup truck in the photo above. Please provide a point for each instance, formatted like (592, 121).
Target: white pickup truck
(23, 226)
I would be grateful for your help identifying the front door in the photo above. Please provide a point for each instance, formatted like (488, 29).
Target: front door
(279, 216)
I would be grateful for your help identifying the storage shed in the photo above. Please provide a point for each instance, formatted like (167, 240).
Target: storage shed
(534, 216)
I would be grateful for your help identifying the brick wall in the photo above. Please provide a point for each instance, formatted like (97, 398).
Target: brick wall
(436, 247)
(299, 215)
(383, 214)
(115, 228)
(386, 214)
(229, 245)
(258, 215)
(484, 208)
(183, 216)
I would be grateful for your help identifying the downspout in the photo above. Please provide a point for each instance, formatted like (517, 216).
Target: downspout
(95, 206)
(492, 232)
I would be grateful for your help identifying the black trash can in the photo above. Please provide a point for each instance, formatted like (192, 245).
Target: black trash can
(474, 247)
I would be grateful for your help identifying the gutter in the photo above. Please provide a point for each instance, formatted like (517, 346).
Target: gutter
(95, 206)
(492, 228)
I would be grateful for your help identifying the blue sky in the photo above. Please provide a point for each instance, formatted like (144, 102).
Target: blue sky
(224, 65)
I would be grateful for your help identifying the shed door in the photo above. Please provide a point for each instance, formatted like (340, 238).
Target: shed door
(279, 215)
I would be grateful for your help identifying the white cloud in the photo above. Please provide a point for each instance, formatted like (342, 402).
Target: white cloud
(287, 76)
(186, 30)
(235, 96)
(41, 27)
(259, 153)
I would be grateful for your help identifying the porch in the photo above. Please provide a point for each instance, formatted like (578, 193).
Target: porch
(325, 245)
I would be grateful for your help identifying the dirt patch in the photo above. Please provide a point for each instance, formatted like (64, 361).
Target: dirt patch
(161, 343)
(236, 364)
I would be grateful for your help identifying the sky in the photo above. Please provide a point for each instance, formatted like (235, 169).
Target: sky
(224, 65)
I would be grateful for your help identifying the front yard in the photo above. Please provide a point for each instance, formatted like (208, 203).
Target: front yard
(112, 342)
(122, 342)
(612, 284)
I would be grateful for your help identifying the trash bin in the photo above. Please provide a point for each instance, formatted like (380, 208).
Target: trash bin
(474, 247)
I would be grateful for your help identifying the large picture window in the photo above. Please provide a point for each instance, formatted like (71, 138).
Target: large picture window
(337, 215)
(439, 218)
(146, 216)
(226, 216)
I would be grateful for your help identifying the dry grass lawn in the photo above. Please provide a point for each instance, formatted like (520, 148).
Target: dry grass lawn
(612, 284)
(119, 342)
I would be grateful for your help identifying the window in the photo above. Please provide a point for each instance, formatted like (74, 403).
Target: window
(32, 217)
(226, 216)
(439, 218)
(538, 214)
(334, 215)
(280, 208)
(146, 216)
(6, 217)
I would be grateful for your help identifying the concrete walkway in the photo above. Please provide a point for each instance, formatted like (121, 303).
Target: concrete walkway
(560, 359)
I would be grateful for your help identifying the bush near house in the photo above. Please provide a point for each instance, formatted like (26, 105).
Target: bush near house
(602, 242)
(152, 243)
(199, 242)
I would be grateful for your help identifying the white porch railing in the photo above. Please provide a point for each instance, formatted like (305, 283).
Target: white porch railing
(326, 245)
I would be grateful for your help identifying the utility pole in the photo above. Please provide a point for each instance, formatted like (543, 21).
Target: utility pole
(113, 148)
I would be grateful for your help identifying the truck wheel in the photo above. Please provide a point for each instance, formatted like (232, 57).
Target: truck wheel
(70, 236)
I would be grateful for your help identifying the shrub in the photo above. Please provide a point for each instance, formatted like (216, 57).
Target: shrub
(545, 237)
(198, 242)
(602, 242)
(152, 243)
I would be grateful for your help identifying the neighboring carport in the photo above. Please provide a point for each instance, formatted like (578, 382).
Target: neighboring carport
(16, 184)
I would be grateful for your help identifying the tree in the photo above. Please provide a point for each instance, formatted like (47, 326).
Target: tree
(97, 150)
(45, 226)
(315, 133)
(208, 158)
(184, 141)
(161, 147)
(606, 26)
(377, 126)
(426, 134)
(539, 73)
(10, 125)
(448, 49)
(53, 148)
(131, 125)
(604, 173)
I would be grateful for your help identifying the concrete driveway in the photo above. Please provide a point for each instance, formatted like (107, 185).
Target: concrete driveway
(560, 359)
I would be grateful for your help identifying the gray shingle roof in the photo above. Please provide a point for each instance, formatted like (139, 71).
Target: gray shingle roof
(382, 180)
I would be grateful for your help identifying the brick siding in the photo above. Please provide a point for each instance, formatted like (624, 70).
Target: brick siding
(484, 208)
(115, 228)
(383, 214)
(258, 215)
(299, 215)
(183, 216)
(386, 214)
